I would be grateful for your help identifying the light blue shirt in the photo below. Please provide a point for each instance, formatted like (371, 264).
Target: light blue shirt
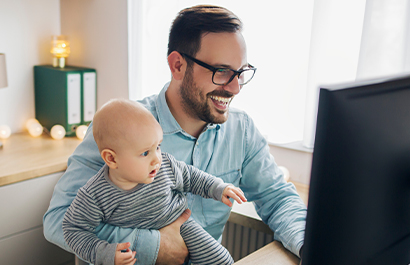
(234, 151)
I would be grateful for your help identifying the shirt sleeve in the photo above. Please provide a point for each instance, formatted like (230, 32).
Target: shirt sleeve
(197, 181)
(276, 201)
(82, 165)
(79, 224)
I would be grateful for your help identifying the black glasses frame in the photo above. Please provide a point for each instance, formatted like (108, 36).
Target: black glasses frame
(215, 69)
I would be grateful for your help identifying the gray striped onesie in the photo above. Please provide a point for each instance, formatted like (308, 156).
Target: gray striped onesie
(147, 206)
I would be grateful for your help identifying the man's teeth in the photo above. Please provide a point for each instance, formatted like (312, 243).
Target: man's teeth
(221, 99)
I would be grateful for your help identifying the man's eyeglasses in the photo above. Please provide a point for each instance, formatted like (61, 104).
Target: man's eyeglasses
(223, 76)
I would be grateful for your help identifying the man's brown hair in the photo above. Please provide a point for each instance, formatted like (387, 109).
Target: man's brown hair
(191, 23)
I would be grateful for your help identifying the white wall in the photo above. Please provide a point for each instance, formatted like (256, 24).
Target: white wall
(98, 35)
(97, 30)
(26, 27)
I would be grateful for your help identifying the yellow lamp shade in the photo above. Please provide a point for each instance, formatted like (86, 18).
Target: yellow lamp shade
(60, 46)
(60, 49)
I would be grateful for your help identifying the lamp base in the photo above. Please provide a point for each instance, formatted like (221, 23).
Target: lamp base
(59, 62)
(1, 144)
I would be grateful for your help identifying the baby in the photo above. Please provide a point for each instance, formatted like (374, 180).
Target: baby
(140, 187)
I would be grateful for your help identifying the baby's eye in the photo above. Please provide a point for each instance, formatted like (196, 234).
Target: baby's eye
(145, 153)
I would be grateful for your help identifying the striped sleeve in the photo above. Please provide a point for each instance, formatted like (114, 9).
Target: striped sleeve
(79, 224)
(197, 181)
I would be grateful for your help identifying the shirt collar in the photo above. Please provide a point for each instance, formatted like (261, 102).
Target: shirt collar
(166, 119)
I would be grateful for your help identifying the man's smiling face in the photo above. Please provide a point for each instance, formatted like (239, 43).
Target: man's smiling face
(203, 99)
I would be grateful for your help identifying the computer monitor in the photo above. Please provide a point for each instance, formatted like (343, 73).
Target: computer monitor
(359, 196)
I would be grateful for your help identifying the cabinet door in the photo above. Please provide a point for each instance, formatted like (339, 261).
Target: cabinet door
(22, 206)
(30, 247)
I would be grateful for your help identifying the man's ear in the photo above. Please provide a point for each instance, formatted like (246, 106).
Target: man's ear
(109, 157)
(177, 65)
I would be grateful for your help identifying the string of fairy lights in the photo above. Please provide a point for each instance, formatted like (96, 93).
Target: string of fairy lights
(35, 129)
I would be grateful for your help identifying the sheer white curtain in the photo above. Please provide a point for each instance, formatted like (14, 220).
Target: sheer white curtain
(354, 40)
(385, 47)
(296, 45)
(334, 51)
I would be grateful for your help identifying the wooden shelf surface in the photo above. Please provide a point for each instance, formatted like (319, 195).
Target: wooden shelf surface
(24, 157)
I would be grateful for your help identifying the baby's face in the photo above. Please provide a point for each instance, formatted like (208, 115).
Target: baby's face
(140, 158)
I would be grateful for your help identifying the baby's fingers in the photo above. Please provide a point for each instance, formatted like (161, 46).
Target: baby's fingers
(226, 201)
(130, 258)
(125, 257)
(235, 197)
(123, 246)
(240, 194)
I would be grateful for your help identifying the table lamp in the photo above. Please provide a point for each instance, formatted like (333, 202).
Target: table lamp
(4, 129)
(60, 48)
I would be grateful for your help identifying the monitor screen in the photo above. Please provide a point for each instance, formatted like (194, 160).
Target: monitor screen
(359, 195)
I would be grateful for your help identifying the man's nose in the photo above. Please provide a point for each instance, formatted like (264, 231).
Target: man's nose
(233, 86)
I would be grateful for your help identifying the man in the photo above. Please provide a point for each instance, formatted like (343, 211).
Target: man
(208, 62)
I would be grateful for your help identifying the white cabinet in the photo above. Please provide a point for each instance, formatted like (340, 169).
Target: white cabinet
(22, 206)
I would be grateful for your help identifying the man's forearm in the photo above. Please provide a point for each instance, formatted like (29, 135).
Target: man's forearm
(144, 242)
(53, 229)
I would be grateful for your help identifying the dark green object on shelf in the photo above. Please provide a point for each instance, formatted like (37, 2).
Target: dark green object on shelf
(65, 96)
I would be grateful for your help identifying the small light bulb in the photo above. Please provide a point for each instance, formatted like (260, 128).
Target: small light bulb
(57, 132)
(5, 131)
(30, 121)
(80, 132)
(35, 129)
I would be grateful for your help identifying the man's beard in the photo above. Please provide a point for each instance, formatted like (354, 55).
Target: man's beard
(195, 103)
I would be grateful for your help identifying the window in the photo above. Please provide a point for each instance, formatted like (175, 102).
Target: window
(296, 45)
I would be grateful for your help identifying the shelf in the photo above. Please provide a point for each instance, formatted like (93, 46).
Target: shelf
(24, 157)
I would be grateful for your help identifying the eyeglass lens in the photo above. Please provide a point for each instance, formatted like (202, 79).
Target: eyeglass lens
(223, 76)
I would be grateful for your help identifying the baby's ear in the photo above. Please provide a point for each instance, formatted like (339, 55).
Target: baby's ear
(109, 157)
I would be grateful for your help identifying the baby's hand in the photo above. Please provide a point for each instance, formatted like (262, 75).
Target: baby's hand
(234, 193)
(124, 255)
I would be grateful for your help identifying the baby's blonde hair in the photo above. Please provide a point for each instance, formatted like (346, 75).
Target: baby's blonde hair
(117, 119)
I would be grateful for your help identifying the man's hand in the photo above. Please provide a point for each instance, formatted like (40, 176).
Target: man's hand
(234, 193)
(172, 248)
(124, 255)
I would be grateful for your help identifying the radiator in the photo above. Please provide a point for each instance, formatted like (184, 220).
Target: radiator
(241, 241)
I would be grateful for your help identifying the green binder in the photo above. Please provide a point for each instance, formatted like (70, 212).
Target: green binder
(65, 96)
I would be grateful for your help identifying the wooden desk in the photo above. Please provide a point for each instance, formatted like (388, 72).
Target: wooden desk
(24, 157)
(272, 254)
